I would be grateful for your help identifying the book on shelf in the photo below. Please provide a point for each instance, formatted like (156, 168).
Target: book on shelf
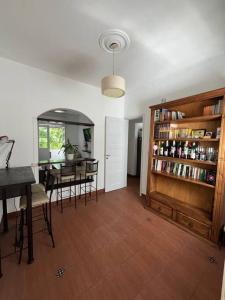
(165, 114)
(214, 109)
(184, 170)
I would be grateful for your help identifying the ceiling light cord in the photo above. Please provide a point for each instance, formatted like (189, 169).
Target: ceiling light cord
(113, 61)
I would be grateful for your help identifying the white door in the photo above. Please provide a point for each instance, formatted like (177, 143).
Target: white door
(116, 137)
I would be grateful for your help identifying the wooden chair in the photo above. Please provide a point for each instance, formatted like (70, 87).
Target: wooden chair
(87, 178)
(39, 199)
(65, 181)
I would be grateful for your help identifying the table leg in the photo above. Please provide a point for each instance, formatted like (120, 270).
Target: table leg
(29, 224)
(4, 208)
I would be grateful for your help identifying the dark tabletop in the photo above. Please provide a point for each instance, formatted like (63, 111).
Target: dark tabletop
(16, 176)
(64, 161)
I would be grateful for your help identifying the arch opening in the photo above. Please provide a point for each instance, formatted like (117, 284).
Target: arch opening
(64, 134)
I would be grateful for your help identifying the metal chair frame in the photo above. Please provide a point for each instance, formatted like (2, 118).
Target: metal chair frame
(67, 170)
(91, 170)
(47, 216)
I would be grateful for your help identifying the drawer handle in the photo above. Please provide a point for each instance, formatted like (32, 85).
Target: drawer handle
(159, 208)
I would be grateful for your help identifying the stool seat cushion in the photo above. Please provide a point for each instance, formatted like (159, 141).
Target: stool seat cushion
(55, 172)
(38, 199)
(65, 178)
(37, 187)
(88, 173)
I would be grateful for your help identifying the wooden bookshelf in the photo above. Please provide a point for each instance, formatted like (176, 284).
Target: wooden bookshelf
(190, 203)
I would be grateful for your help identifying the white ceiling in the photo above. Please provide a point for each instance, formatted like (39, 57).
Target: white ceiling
(61, 36)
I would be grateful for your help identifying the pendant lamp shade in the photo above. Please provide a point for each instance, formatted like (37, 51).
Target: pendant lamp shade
(113, 86)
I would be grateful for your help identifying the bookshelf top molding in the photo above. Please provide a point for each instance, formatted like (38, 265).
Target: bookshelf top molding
(194, 98)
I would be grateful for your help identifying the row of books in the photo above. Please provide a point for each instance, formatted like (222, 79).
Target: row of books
(165, 131)
(162, 131)
(184, 170)
(214, 109)
(164, 114)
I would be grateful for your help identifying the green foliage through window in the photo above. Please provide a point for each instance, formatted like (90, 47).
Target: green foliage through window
(57, 137)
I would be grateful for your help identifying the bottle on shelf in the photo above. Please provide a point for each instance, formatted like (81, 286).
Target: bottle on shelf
(161, 149)
(173, 149)
(197, 153)
(179, 150)
(185, 150)
(166, 149)
(155, 149)
(193, 151)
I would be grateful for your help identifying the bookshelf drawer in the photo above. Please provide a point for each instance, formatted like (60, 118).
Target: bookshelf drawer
(161, 208)
(193, 224)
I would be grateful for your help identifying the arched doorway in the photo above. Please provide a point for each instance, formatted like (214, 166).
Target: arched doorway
(59, 127)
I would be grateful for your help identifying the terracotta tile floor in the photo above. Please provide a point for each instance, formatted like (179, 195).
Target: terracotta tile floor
(114, 249)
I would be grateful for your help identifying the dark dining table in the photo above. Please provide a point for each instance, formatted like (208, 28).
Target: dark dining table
(15, 182)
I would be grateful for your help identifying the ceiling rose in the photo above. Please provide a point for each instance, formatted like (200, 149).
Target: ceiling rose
(114, 36)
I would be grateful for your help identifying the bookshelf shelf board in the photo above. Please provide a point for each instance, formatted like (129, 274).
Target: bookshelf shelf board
(189, 140)
(192, 120)
(184, 208)
(194, 181)
(185, 161)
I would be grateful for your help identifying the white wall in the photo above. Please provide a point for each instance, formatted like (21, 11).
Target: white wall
(26, 92)
(134, 126)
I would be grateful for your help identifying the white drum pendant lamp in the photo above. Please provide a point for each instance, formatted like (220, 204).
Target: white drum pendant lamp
(113, 41)
(113, 86)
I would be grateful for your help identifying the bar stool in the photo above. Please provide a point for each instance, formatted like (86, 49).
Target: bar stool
(87, 178)
(65, 180)
(39, 199)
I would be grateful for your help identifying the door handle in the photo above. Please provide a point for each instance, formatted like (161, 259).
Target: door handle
(107, 156)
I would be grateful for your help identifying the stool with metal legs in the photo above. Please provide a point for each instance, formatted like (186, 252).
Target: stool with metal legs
(87, 177)
(39, 199)
(65, 180)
